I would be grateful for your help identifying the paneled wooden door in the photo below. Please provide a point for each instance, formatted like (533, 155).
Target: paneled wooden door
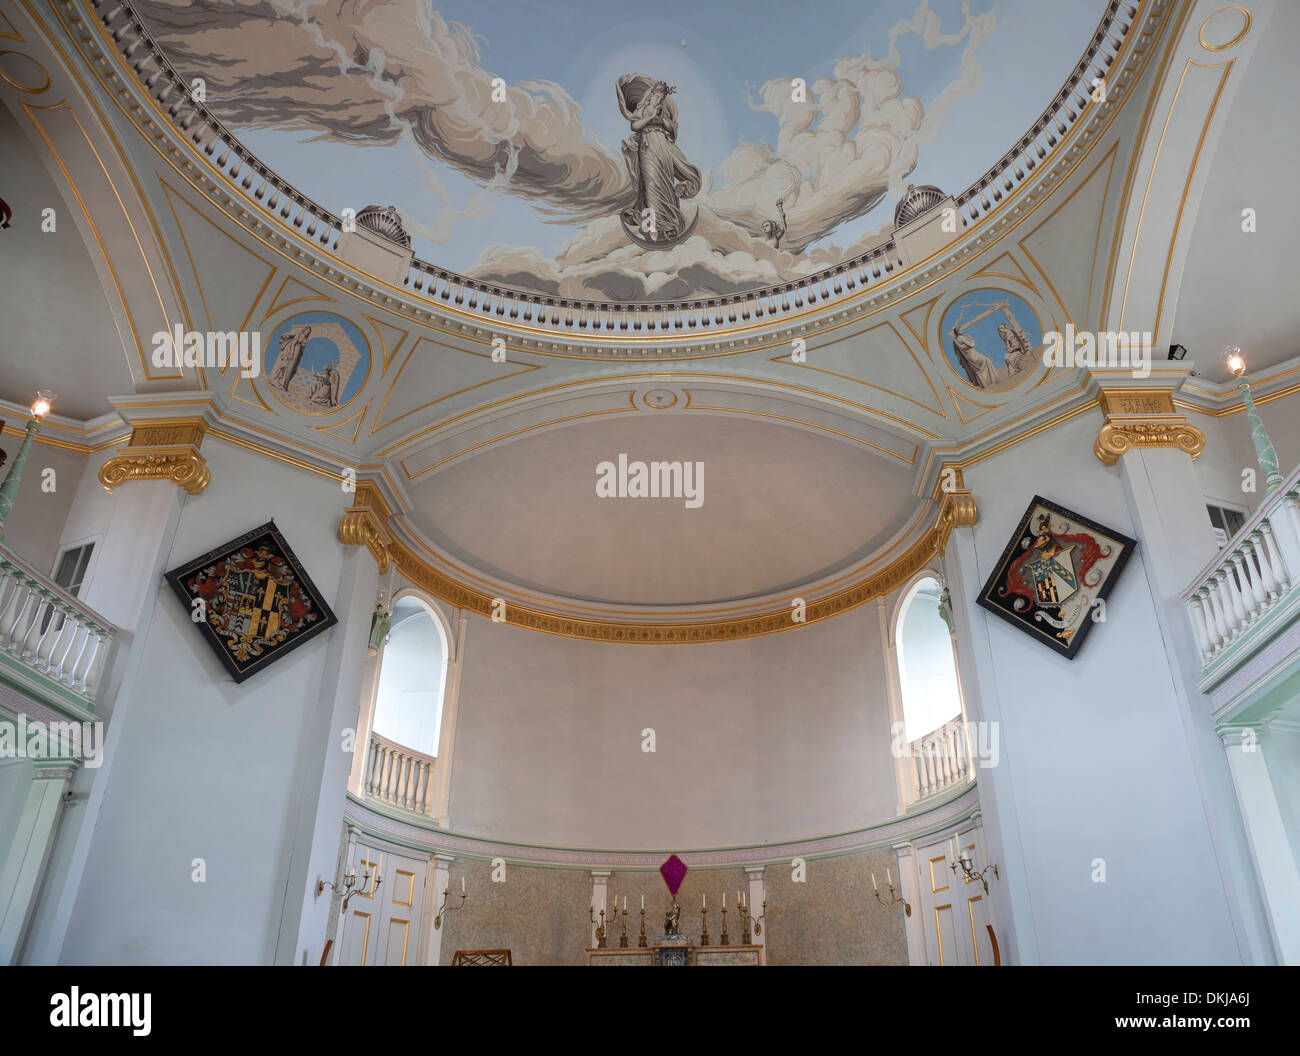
(383, 921)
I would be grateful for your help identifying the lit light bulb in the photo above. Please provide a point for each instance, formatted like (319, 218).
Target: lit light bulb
(41, 405)
(1236, 363)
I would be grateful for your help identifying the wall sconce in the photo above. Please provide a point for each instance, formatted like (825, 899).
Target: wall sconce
(350, 886)
(967, 863)
(745, 938)
(893, 896)
(442, 909)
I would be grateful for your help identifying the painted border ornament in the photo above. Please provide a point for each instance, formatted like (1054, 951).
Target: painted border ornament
(1055, 574)
(251, 600)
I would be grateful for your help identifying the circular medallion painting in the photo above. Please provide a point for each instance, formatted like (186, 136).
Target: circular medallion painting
(992, 338)
(316, 362)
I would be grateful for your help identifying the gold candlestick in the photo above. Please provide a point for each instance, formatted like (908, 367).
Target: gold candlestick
(622, 939)
(704, 927)
(725, 940)
(600, 928)
(642, 941)
(745, 938)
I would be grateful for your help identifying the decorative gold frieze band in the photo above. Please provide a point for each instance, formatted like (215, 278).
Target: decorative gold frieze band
(1143, 418)
(165, 449)
(363, 523)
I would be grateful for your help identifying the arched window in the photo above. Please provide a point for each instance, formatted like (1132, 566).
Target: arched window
(927, 672)
(408, 702)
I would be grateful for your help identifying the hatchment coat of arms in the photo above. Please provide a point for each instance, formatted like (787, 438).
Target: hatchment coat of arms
(252, 600)
(1055, 574)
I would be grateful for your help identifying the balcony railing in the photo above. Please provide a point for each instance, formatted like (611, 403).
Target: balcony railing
(270, 194)
(1248, 593)
(399, 776)
(939, 760)
(50, 643)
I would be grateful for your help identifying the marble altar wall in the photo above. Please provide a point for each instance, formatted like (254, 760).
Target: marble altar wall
(540, 915)
(833, 918)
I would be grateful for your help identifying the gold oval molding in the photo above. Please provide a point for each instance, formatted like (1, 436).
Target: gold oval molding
(22, 87)
(1245, 28)
(364, 524)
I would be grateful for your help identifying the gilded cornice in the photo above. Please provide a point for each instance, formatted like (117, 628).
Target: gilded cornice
(365, 524)
(160, 449)
(1143, 418)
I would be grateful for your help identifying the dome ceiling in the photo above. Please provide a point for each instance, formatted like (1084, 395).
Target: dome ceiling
(528, 513)
(593, 151)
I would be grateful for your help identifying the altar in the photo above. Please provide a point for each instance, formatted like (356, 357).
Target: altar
(684, 954)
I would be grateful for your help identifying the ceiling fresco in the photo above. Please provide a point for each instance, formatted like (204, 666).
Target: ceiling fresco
(596, 150)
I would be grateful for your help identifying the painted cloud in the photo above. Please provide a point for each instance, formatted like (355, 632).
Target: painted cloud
(389, 71)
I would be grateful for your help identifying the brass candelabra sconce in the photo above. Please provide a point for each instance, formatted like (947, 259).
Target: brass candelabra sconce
(600, 927)
(349, 887)
(894, 897)
(443, 909)
(745, 938)
(965, 859)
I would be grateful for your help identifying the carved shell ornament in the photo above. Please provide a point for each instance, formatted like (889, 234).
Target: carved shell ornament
(916, 202)
(386, 222)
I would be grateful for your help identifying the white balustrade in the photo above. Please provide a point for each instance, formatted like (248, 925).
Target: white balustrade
(1254, 573)
(939, 760)
(49, 632)
(399, 776)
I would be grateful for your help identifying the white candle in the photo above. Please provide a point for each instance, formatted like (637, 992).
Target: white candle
(890, 879)
(875, 886)
(462, 885)
(724, 900)
(704, 901)
(625, 903)
(643, 901)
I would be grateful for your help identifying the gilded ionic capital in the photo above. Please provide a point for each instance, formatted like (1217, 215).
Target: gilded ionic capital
(957, 507)
(1143, 418)
(363, 524)
(160, 450)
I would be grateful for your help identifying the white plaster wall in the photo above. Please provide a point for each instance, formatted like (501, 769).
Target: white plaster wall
(1094, 762)
(206, 768)
(767, 738)
(32, 530)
